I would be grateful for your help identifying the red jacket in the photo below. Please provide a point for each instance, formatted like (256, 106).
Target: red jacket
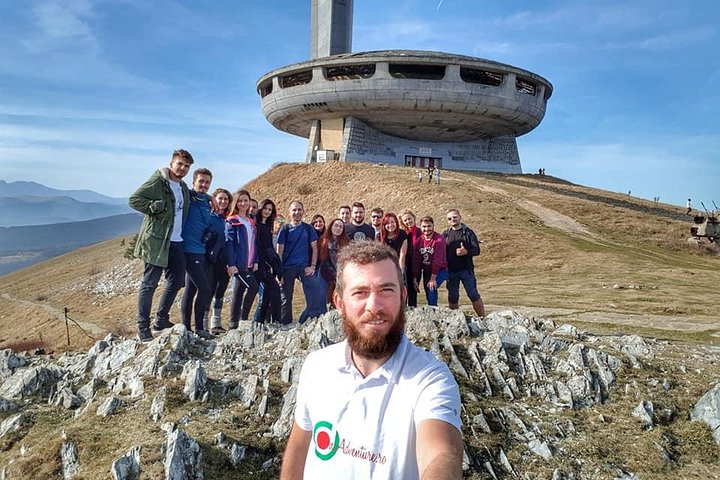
(429, 255)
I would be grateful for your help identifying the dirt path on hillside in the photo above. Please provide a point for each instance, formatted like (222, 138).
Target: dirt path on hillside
(549, 217)
(90, 328)
(642, 321)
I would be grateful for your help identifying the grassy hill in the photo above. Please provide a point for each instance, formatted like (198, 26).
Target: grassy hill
(551, 248)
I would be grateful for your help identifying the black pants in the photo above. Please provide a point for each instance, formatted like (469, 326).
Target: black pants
(269, 310)
(219, 281)
(196, 282)
(410, 285)
(245, 289)
(174, 275)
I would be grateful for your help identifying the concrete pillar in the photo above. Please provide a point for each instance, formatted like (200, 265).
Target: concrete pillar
(313, 141)
(330, 27)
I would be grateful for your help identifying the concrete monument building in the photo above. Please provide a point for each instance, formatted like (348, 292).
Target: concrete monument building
(401, 107)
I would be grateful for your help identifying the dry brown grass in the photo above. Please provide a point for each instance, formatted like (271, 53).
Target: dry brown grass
(526, 261)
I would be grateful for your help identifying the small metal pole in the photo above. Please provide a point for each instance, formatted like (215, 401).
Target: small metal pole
(67, 327)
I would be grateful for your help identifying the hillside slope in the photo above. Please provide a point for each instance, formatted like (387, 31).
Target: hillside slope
(563, 251)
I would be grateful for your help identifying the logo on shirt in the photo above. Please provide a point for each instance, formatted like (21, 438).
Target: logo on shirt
(426, 253)
(326, 439)
(327, 443)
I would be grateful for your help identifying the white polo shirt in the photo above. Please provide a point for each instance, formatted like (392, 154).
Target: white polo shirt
(366, 427)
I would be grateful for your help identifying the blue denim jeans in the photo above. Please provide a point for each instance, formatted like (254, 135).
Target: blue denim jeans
(432, 295)
(467, 277)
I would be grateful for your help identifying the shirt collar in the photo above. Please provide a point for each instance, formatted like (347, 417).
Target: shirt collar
(391, 368)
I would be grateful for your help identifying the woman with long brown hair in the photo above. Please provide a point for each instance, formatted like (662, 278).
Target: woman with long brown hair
(329, 245)
(394, 236)
(217, 256)
(240, 243)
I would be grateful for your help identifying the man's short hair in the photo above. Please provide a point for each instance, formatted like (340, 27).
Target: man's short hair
(427, 219)
(377, 210)
(358, 205)
(299, 203)
(201, 171)
(364, 252)
(344, 206)
(184, 154)
(450, 210)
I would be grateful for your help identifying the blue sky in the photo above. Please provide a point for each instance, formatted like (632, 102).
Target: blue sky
(96, 93)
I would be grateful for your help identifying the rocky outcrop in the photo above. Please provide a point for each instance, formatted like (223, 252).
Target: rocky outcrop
(183, 458)
(525, 380)
(707, 410)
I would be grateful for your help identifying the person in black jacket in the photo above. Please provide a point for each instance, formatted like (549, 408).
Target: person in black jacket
(462, 246)
(269, 264)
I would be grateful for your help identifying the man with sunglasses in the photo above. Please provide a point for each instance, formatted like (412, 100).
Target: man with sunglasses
(462, 246)
(376, 215)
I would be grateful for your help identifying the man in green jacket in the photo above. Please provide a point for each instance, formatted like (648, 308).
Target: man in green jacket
(163, 199)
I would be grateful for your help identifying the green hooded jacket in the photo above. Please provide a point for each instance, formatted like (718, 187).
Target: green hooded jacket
(155, 199)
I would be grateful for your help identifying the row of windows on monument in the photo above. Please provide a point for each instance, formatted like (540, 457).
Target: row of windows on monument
(423, 162)
(400, 70)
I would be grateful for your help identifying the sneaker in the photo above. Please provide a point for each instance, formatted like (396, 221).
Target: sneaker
(205, 334)
(217, 330)
(144, 335)
(161, 325)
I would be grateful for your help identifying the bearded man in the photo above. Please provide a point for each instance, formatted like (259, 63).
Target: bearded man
(374, 405)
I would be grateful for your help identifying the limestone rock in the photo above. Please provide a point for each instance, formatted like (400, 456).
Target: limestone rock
(157, 408)
(69, 458)
(195, 380)
(237, 453)
(645, 413)
(29, 381)
(183, 458)
(9, 362)
(127, 467)
(12, 424)
(707, 410)
(109, 406)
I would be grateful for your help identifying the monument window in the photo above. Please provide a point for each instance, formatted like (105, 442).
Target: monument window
(295, 79)
(349, 72)
(524, 86)
(265, 88)
(314, 105)
(417, 71)
(473, 75)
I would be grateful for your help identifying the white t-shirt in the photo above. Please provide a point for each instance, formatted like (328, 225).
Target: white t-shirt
(176, 235)
(366, 427)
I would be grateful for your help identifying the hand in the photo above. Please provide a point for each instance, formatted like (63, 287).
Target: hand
(461, 250)
(232, 270)
(309, 270)
(432, 285)
(417, 284)
(255, 267)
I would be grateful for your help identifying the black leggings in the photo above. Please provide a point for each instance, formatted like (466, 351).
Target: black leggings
(196, 282)
(244, 291)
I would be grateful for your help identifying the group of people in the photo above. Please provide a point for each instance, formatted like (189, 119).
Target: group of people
(202, 241)
(431, 172)
(372, 406)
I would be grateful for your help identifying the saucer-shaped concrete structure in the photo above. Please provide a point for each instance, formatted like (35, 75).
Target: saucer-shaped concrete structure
(407, 107)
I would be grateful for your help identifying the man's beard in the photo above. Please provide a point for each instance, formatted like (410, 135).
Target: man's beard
(377, 345)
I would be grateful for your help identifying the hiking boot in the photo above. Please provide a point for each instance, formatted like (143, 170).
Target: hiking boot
(217, 330)
(144, 335)
(205, 334)
(161, 324)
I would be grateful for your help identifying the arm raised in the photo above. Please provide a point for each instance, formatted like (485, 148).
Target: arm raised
(439, 450)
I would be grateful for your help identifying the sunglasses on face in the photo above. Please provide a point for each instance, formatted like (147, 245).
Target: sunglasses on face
(375, 216)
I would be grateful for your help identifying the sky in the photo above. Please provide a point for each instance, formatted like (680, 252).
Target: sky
(96, 94)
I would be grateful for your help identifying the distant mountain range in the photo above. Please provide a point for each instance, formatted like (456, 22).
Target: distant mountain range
(21, 247)
(24, 189)
(39, 222)
(30, 203)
